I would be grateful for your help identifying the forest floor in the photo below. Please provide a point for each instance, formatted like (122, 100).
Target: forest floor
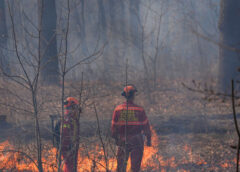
(193, 134)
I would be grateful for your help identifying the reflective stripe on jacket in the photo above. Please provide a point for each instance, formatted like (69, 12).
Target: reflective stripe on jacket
(70, 129)
(137, 121)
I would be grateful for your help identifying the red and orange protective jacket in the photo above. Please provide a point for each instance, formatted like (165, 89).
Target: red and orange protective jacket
(137, 121)
(70, 129)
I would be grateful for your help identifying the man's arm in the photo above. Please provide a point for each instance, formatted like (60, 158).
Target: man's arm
(75, 131)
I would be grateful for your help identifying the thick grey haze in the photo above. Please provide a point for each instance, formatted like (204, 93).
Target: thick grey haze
(157, 36)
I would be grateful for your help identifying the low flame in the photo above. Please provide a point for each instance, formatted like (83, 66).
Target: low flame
(12, 160)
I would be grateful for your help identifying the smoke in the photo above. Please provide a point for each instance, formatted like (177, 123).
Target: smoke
(157, 33)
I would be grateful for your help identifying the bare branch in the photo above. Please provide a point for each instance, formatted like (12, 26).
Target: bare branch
(216, 42)
(16, 46)
(99, 53)
(20, 152)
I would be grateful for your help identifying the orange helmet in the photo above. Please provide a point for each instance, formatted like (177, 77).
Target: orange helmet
(70, 101)
(129, 90)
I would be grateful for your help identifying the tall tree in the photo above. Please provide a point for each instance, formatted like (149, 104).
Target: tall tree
(134, 7)
(112, 14)
(102, 24)
(48, 42)
(122, 21)
(117, 25)
(80, 19)
(4, 64)
(229, 27)
(102, 20)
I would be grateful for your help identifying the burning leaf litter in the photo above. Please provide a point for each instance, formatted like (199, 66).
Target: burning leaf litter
(153, 160)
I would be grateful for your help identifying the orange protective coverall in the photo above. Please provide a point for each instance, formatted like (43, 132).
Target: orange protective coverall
(70, 139)
(137, 125)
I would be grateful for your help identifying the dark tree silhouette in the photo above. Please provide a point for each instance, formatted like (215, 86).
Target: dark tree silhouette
(80, 20)
(134, 7)
(48, 42)
(102, 20)
(3, 38)
(229, 27)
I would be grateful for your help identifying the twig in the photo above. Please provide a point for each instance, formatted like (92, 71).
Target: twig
(20, 152)
(100, 137)
(205, 91)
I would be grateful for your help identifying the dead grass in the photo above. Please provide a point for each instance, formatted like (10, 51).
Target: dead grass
(179, 117)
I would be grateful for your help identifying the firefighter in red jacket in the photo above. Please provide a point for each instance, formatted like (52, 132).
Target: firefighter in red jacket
(131, 117)
(70, 132)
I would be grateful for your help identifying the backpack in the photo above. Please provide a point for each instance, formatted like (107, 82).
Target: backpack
(56, 134)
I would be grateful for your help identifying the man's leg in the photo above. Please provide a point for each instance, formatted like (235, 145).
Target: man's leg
(121, 166)
(136, 158)
(76, 159)
(68, 158)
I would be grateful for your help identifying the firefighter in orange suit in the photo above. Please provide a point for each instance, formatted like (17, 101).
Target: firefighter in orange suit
(137, 126)
(70, 132)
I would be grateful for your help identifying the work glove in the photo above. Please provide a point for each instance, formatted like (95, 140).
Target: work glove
(70, 146)
(149, 143)
(118, 141)
(79, 109)
(116, 138)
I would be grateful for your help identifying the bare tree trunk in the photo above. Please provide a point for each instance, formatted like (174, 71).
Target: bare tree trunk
(80, 19)
(118, 30)
(37, 131)
(49, 56)
(137, 32)
(135, 22)
(4, 64)
(112, 14)
(229, 27)
(102, 22)
(156, 55)
(64, 71)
